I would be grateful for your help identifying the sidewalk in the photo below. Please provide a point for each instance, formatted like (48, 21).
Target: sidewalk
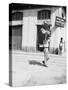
(36, 53)
(28, 69)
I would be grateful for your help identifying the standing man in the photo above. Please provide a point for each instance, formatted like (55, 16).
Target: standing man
(61, 44)
(46, 32)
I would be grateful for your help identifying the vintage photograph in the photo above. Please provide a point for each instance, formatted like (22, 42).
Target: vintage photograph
(37, 44)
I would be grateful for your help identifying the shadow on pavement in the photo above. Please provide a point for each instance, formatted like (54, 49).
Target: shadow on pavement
(7, 84)
(34, 62)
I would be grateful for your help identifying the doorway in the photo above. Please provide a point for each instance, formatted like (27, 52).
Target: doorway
(17, 37)
(40, 38)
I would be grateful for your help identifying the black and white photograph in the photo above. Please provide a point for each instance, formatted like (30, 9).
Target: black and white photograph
(37, 44)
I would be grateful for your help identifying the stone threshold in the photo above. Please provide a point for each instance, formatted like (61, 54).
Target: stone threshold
(35, 53)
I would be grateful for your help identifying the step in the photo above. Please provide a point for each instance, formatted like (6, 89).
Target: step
(34, 54)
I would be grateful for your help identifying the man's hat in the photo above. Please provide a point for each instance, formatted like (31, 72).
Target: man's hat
(46, 26)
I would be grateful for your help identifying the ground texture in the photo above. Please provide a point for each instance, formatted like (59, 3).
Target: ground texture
(28, 69)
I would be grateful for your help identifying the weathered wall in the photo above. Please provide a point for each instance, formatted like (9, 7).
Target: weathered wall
(29, 28)
(57, 32)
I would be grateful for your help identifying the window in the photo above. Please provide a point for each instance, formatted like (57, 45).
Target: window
(44, 14)
(17, 16)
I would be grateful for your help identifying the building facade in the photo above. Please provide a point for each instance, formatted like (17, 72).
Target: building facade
(26, 24)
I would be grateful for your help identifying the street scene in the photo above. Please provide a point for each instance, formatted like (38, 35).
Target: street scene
(37, 44)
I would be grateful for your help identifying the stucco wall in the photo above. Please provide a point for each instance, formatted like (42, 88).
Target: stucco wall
(29, 28)
(56, 31)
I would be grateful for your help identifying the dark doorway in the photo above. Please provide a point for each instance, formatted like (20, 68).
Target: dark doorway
(40, 38)
(16, 37)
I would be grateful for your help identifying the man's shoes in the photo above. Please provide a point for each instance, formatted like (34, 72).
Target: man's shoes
(44, 64)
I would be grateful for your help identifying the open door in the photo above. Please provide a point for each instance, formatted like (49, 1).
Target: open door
(40, 38)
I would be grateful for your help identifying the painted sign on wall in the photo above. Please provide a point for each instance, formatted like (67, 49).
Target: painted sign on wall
(59, 22)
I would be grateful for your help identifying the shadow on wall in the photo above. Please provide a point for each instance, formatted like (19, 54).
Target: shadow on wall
(53, 29)
(54, 50)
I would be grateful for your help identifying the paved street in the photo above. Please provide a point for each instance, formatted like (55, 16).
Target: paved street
(28, 69)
